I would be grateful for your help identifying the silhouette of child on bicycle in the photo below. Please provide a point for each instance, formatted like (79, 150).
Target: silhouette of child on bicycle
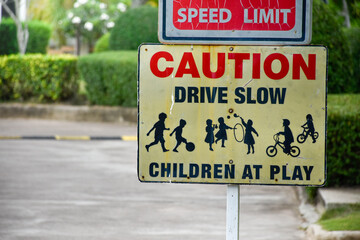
(289, 138)
(309, 126)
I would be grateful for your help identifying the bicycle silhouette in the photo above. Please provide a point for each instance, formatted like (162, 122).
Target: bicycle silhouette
(271, 151)
(301, 138)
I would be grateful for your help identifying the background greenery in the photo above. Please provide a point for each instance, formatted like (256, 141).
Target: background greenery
(111, 77)
(36, 77)
(134, 27)
(39, 36)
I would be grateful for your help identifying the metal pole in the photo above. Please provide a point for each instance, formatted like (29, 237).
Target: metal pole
(233, 212)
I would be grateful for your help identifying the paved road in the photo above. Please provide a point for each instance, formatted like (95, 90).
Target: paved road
(61, 190)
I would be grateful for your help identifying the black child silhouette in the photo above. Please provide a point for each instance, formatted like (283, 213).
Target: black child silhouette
(221, 134)
(310, 125)
(178, 134)
(249, 139)
(289, 138)
(159, 127)
(210, 139)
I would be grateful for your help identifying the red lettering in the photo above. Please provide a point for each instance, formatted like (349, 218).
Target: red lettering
(239, 59)
(187, 59)
(220, 66)
(154, 64)
(256, 66)
(309, 70)
(284, 66)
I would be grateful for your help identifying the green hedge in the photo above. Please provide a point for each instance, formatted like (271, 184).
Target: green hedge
(327, 30)
(135, 26)
(39, 36)
(38, 77)
(8, 40)
(111, 77)
(102, 44)
(343, 140)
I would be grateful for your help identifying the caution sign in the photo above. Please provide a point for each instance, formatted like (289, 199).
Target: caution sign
(235, 22)
(232, 114)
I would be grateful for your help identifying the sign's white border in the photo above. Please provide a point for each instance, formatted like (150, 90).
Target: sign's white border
(299, 35)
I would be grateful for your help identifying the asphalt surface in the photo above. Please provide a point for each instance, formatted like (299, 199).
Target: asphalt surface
(57, 190)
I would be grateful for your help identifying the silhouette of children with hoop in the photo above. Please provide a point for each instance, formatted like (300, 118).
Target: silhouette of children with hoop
(178, 134)
(159, 127)
(249, 139)
(310, 125)
(221, 134)
(210, 139)
(289, 138)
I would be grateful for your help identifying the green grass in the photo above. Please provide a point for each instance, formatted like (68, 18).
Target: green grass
(345, 218)
(344, 103)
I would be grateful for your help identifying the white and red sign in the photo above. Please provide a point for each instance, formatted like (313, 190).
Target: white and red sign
(262, 22)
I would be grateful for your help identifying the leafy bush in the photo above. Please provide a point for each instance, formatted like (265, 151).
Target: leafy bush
(353, 34)
(8, 40)
(111, 77)
(343, 140)
(38, 77)
(327, 30)
(134, 27)
(102, 44)
(39, 35)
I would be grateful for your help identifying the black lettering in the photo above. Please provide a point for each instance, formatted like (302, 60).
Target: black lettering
(152, 171)
(238, 93)
(230, 171)
(193, 170)
(274, 96)
(193, 94)
(217, 170)
(247, 172)
(249, 96)
(205, 169)
(222, 94)
(284, 176)
(180, 94)
(262, 95)
(297, 173)
(181, 171)
(308, 171)
(257, 171)
(274, 170)
(211, 96)
(165, 170)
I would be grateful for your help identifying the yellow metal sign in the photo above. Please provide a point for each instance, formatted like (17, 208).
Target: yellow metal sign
(232, 114)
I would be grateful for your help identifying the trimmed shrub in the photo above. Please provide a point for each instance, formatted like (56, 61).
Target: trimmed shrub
(8, 39)
(111, 77)
(39, 36)
(343, 140)
(353, 34)
(135, 26)
(328, 31)
(38, 77)
(102, 44)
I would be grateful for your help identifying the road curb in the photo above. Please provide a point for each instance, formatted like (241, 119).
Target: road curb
(311, 214)
(69, 112)
(316, 232)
